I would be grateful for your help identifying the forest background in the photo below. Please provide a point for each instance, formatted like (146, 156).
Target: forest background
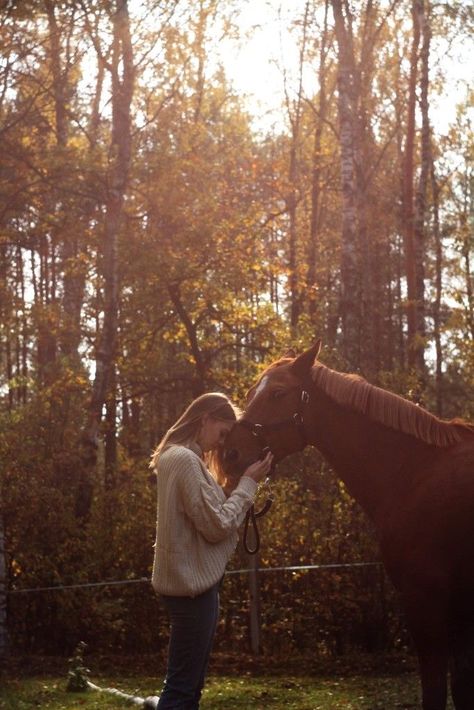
(159, 237)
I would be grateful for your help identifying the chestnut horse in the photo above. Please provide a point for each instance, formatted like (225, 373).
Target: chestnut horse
(414, 476)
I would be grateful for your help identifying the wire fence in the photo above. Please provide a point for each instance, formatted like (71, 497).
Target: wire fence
(147, 580)
(333, 607)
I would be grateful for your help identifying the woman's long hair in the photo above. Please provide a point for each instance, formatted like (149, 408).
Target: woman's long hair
(186, 429)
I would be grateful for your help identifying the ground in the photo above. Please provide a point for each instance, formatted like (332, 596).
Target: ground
(235, 683)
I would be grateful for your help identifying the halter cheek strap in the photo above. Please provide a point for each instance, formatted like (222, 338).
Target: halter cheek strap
(258, 430)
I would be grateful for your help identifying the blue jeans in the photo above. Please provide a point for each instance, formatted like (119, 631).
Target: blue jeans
(193, 622)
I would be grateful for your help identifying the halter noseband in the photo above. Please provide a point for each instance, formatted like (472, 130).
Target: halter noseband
(258, 430)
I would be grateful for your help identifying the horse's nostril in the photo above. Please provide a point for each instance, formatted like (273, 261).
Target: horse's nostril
(231, 455)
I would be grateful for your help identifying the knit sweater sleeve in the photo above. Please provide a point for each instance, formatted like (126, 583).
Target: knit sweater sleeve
(214, 516)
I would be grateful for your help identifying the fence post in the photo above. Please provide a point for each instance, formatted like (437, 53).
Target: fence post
(3, 591)
(254, 595)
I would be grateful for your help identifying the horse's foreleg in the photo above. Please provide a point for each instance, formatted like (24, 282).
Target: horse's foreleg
(427, 623)
(462, 666)
(433, 672)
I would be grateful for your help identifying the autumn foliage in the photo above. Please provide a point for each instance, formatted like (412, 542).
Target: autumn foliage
(156, 242)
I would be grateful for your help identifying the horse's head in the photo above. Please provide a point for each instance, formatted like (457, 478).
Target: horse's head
(274, 414)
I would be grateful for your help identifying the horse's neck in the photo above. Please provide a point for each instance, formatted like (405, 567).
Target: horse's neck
(377, 464)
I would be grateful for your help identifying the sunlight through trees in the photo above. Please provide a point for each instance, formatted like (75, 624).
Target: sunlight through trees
(158, 238)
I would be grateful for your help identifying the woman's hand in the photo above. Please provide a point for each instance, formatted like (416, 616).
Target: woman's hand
(260, 469)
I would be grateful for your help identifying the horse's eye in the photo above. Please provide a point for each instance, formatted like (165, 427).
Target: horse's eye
(278, 394)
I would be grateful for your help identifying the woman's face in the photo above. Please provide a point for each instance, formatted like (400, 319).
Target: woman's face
(213, 432)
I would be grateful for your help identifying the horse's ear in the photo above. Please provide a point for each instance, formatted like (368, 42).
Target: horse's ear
(304, 362)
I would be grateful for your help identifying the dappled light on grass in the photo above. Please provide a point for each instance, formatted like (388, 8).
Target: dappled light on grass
(354, 693)
(367, 692)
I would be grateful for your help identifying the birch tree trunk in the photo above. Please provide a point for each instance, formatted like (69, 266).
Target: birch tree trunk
(467, 222)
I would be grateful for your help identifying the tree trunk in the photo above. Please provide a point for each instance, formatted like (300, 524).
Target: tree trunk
(438, 291)
(466, 257)
(467, 220)
(47, 340)
(46, 345)
(3, 590)
(350, 276)
(316, 173)
(292, 199)
(368, 237)
(130, 426)
(421, 193)
(408, 206)
(22, 330)
(74, 265)
(59, 76)
(253, 562)
(122, 93)
(110, 463)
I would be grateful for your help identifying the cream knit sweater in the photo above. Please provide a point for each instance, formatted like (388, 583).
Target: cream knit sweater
(196, 529)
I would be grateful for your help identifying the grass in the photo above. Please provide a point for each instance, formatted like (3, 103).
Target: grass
(305, 693)
(332, 688)
(295, 693)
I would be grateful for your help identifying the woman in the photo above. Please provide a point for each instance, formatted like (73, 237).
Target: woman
(196, 534)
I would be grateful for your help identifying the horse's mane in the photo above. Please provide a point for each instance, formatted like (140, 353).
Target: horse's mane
(390, 409)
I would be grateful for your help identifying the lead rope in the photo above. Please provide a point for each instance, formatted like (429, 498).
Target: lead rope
(251, 518)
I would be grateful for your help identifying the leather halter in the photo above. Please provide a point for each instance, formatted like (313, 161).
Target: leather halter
(296, 420)
(259, 431)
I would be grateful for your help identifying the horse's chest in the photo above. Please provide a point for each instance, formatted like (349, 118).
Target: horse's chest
(431, 532)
